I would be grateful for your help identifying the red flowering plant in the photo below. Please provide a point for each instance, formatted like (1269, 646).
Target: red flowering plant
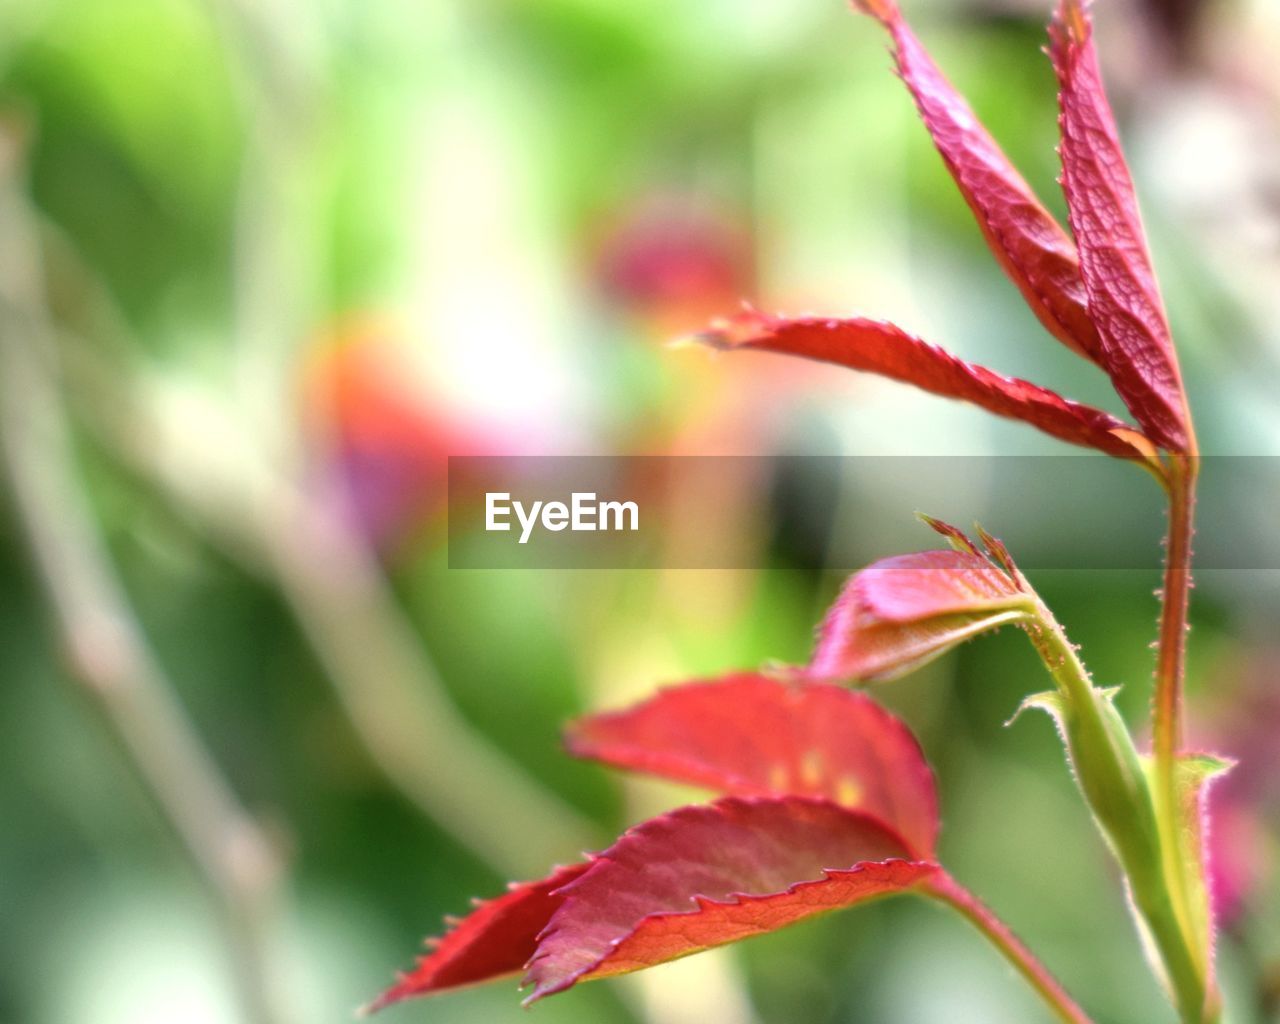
(827, 800)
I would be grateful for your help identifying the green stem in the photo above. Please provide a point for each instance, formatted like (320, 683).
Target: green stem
(1118, 791)
(947, 890)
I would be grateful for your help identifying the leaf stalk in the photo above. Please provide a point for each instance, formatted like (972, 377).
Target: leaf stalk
(947, 890)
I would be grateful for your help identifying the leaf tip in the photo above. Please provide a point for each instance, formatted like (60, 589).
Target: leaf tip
(727, 333)
(681, 341)
(536, 995)
(954, 535)
(374, 1005)
(1049, 702)
(1071, 23)
(883, 11)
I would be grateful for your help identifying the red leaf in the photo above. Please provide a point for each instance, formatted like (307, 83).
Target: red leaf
(875, 346)
(956, 537)
(1025, 238)
(706, 875)
(752, 735)
(902, 612)
(1124, 299)
(493, 941)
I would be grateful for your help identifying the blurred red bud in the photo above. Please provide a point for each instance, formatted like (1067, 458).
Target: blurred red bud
(674, 262)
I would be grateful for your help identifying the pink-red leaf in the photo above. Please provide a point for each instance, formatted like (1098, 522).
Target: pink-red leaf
(875, 346)
(695, 878)
(956, 537)
(495, 940)
(1027, 241)
(901, 612)
(748, 734)
(1124, 298)
(706, 875)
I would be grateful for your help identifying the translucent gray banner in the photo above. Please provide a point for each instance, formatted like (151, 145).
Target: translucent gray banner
(712, 512)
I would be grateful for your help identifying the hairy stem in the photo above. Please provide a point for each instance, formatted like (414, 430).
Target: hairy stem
(949, 891)
(1120, 795)
(1167, 712)
(1175, 600)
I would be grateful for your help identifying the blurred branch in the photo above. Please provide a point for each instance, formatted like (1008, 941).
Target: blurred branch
(274, 55)
(192, 448)
(230, 467)
(334, 585)
(107, 652)
(396, 699)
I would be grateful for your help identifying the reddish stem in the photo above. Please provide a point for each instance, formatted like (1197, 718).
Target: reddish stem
(945, 888)
(1175, 599)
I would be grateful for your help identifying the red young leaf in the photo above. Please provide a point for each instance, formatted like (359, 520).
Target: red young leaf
(998, 553)
(750, 735)
(901, 612)
(907, 588)
(1025, 238)
(493, 941)
(956, 537)
(875, 346)
(1124, 299)
(698, 877)
(705, 875)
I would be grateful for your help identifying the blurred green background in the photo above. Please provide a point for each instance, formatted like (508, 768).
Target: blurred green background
(264, 264)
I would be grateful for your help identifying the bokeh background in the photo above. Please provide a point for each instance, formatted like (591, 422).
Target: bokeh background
(263, 265)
